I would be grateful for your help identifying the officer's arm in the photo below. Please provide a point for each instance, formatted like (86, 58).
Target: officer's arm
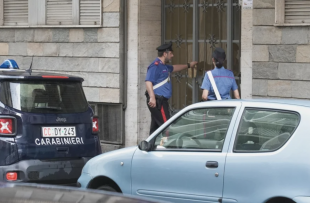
(177, 68)
(236, 94)
(205, 94)
(180, 67)
(149, 88)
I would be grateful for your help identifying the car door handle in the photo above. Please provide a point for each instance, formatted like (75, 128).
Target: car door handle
(212, 164)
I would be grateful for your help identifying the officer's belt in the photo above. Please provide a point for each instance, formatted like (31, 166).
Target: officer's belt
(161, 83)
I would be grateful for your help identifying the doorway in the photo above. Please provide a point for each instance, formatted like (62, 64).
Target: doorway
(195, 28)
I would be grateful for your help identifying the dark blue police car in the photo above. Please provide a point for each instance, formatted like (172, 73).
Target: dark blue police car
(47, 129)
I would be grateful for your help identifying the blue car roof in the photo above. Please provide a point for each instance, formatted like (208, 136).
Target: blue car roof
(10, 70)
(22, 74)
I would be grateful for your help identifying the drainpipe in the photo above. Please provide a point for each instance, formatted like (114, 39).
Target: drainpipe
(123, 62)
(123, 51)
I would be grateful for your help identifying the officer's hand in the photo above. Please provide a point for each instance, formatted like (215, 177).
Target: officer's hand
(193, 64)
(152, 102)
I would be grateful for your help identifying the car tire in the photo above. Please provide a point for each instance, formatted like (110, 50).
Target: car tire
(107, 188)
(282, 200)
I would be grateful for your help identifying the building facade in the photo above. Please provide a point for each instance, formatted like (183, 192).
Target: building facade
(110, 43)
(280, 49)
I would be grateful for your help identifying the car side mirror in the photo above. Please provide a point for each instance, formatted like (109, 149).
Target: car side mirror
(145, 146)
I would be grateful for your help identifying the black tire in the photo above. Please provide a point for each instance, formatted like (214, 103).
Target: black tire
(282, 200)
(107, 188)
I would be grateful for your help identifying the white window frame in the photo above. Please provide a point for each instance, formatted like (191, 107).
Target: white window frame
(37, 15)
(280, 15)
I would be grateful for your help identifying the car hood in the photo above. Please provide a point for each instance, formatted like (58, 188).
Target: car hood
(123, 155)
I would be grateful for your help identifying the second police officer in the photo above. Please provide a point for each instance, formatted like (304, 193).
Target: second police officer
(158, 85)
(224, 80)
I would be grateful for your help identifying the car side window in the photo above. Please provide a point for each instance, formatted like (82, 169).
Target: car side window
(203, 129)
(264, 130)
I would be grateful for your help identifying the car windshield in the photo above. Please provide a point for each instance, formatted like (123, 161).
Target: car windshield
(44, 96)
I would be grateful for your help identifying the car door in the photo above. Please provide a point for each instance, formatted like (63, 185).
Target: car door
(188, 159)
(264, 158)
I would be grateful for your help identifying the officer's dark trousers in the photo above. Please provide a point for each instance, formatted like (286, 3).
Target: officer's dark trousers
(160, 114)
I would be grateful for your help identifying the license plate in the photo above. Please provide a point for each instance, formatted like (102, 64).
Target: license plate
(58, 131)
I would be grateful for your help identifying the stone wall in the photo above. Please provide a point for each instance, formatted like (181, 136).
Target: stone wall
(92, 53)
(281, 56)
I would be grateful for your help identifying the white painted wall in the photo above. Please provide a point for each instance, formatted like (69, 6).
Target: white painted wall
(246, 53)
(131, 114)
(144, 35)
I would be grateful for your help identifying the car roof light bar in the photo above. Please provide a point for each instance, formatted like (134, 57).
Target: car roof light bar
(9, 64)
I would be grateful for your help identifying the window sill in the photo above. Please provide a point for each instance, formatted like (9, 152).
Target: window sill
(53, 26)
(292, 25)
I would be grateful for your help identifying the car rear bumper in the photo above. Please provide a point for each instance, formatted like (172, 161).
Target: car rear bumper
(46, 171)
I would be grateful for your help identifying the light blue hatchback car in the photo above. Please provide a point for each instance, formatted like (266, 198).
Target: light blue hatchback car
(228, 151)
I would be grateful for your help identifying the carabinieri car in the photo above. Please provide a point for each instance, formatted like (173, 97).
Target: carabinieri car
(246, 151)
(47, 129)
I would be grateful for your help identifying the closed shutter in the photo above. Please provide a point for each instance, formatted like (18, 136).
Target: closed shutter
(90, 11)
(59, 12)
(15, 12)
(297, 12)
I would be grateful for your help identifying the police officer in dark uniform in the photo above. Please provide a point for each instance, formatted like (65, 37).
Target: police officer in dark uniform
(158, 85)
(224, 79)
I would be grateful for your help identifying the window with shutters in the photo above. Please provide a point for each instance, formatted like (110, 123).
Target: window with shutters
(292, 12)
(55, 13)
(15, 12)
(89, 12)
(59, 12)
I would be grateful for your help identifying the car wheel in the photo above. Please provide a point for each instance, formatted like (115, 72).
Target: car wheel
(107, 188)
(281, 200)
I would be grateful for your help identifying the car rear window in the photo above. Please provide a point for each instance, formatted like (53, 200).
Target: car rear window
(44, 96)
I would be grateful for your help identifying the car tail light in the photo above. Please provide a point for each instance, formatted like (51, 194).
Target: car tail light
(11, 176)
(7, 126)
(95, 125)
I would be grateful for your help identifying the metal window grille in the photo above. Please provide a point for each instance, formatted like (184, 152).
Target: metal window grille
(196, 27)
